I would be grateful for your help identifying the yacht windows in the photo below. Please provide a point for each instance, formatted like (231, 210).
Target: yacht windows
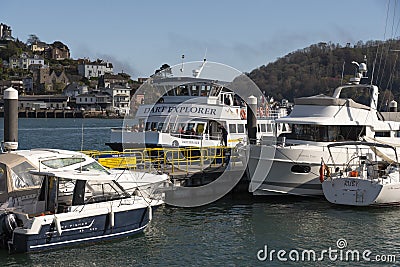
(300, 169)
(93, 166)
(61, 162)
(99, 191)
(324, 133)
(240, 128)
(382, 134)
(232, 128)
(269, 128)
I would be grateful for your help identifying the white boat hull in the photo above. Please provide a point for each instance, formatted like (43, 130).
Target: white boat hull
(273, 166)
(361, 192)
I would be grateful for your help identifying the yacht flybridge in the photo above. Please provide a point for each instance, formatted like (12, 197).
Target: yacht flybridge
(292, 166)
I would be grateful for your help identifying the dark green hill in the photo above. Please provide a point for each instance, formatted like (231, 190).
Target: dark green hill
(318, 69)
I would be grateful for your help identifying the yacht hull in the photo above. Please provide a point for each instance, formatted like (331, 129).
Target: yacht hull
(88, 229)
(360, 192)
(289, 170)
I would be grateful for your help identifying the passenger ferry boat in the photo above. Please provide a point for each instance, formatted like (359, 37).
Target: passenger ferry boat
(194, 112)
(292, 165)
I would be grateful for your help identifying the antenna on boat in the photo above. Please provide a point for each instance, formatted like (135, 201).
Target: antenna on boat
(360, 72)
(183, 57)
(197, 72)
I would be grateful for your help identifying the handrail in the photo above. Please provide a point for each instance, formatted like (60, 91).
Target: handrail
(173, 161)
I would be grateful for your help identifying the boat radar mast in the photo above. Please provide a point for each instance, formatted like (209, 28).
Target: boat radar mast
(361, 73)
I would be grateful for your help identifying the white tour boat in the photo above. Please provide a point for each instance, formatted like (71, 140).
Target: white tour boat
(192, 112)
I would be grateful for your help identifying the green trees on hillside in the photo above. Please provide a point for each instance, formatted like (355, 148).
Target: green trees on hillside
(318, 69)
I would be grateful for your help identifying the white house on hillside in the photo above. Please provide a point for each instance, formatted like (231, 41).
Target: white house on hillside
(121, 98)
(24, 61)
(94, 69)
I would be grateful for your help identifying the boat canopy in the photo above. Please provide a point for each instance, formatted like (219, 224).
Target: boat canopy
(15, 177)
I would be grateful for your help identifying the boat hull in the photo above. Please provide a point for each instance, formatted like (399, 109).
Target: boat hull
(84, 230)
(361, 192)
(275, 170)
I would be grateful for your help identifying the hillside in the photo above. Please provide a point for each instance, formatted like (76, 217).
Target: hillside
(318, 69)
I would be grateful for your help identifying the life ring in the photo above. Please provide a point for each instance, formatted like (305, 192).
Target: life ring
(324, 171)
(243, 114)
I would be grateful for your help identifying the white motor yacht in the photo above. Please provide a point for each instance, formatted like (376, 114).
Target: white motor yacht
(292, 165)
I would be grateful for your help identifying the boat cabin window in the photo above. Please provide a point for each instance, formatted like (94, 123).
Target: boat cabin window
(300, 169)
(232, 128)
(205, 90)
(93, 166)
(151, 126)
(263, 128)
(382, 134)
(194, 90)
(240, 128)
(190, 128)
(170, 92)
(100, 191)
(169, 128)
(215, 90)
(269, 128)
(182, 90)
(62, 192)
(22, 178)
(160, 126)
(324, 133)
(200, 128)
(62, 162)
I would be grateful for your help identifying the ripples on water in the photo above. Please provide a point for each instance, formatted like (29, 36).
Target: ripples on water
(226, 233)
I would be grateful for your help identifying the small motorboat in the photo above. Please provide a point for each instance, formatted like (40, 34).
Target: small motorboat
(71, 208)
(370, 177)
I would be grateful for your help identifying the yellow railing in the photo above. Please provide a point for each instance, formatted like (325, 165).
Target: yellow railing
(173, 161)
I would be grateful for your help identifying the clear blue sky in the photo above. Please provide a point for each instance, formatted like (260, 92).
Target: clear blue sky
(139, 36)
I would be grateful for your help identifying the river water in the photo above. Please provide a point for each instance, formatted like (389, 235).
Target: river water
(237, 230)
